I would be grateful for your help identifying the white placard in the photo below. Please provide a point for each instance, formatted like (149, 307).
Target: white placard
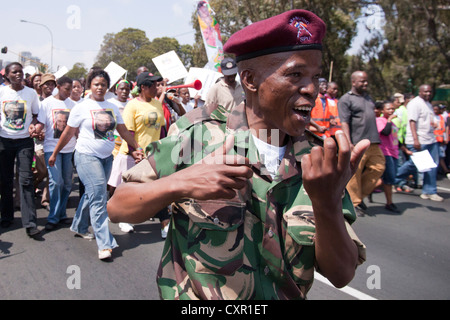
(61, 71)
(423, 161)
(115, 72)
(206, 76)
(170, 66)
(30, 70)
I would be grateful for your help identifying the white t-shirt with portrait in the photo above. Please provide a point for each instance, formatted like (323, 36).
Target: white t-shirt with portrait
(97, 121)
(17, 109)
(54, 114)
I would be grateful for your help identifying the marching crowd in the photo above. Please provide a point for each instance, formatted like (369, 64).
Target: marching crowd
(252, 226)
(42, 144)
(110, 126)
(397, 127)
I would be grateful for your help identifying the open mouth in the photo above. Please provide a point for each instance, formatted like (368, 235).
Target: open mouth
(303, 111)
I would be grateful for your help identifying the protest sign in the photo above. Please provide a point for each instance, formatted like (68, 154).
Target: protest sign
(30, 70)
(61, 71)
(115, 72)
(170, 66)
(423, 161)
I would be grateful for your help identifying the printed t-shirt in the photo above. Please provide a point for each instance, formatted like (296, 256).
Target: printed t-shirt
(17, 109)
(389, 144)
(97, 121)
(54, 114)
(145, 119)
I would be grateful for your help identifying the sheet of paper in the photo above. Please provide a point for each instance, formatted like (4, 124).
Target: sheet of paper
(30, 70)
(423, 161)
(170, 66)
(115, 72)
(61, 71)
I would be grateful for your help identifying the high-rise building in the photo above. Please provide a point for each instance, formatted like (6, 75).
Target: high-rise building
(26, 59)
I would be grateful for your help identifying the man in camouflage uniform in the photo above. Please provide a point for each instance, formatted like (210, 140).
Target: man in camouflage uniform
(239, 229)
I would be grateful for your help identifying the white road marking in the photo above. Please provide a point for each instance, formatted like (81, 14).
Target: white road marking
(444, 189)
(348, 290)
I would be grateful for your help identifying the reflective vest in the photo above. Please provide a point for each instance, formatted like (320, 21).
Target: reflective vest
(321, 116)
(334, 114)
(440, 130)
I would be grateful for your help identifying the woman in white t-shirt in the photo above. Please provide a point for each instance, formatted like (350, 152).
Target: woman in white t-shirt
(19, 108)
(123, 89)
(77, 91)
(53, 116)
(96, 120)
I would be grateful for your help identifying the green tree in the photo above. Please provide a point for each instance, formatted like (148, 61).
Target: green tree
(413, 48)
(131, 49)
(78, 71)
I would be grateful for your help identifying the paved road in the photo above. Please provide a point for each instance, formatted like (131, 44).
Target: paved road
(408, 256)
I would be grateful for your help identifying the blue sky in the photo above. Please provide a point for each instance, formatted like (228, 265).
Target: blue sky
(79, 26)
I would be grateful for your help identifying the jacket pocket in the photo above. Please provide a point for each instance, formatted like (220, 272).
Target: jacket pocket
(299, 243)
(215, 236)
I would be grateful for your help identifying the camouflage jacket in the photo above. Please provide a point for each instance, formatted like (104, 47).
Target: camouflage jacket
(259, 245)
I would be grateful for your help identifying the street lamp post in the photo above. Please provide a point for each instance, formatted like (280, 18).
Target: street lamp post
(51, 35)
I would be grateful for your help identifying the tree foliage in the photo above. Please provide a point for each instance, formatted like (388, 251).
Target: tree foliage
(131, 49)
(411, 48)
(414, 47)
(78, 71)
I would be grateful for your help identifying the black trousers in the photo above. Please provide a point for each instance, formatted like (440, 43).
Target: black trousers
(23, 151)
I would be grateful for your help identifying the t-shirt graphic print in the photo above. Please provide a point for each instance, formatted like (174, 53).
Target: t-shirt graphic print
(103, 124)
(59, 117)
(15, 114)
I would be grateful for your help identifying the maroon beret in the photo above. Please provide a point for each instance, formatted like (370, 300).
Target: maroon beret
(290, 31)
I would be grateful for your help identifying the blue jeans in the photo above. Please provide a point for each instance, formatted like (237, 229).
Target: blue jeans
(59, 185)
(429, 177)
(94, 173)
(390, 171)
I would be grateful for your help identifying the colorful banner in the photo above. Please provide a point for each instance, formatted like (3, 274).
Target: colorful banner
(211, 35)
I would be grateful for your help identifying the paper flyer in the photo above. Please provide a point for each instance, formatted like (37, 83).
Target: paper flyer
(423, 161)
(170, 66)
(115, 72)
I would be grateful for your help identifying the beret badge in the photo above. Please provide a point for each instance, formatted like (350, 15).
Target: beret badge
(301, 24)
